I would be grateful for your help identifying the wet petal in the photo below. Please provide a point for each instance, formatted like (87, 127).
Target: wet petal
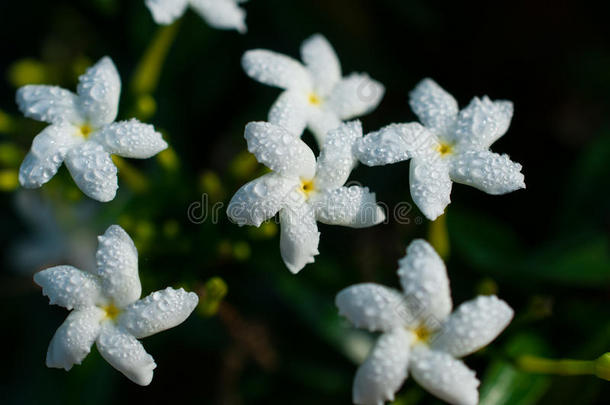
(131, 139)
(280, 150)
(99, 89)
(93, 171)
(117, 266)
(473, 325)
(275, 69)
(487, 171)
(373, 307)
(48, 151)
(260, 199)
(50, 104)
(385, 369)
(436, 108)
(443, 376)
(69, 287)
(423, 277)
(157, 312)
(73, 339)
(299, 236)
(126, 354)
(322, 62)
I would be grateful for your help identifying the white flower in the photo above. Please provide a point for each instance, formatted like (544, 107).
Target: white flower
(221, 14)
(302, 190)
(315, 95)
(419, 332)
(107, 309)
(451, 146)
(83, 133)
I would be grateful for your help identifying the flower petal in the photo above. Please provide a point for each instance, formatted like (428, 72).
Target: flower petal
(48, 151)
(131, 139)
(394, 143)
(482, 122)
(275, 69)
(98, 90)
(434, 107)
(353, 206)
(321, 121)
(385, 369)
(355, 95)
(260, 199)
(157, 312)
(221, 14)
(280, 150)
(126, 354)
(290, 111)
(299, 237)
(73, 339)
(473, 325)
(93, 171)
(322, 62)
(430, 185)
(117, 266)
(443, 376)
(166, 11)
(69, 287)
(50, 104)
(487, 171)
(373, 306)
(423, 277)
(337, 158)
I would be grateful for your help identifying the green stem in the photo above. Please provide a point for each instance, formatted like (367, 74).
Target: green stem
(148, 71)
(533, 364)
(438, 236)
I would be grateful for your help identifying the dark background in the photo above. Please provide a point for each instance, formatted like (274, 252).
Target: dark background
(277, 337)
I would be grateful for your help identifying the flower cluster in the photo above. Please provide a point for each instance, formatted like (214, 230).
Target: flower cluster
(107, 309)
(419, 332)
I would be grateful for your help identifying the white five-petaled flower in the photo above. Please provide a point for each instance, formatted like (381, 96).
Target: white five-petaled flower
(302, 190)
(452, 145)
(419, 332)
(315, 94)
(83, 133)
(107, 309)
(221, 14)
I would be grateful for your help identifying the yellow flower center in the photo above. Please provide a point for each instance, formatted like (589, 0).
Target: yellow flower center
(422, 334)
(445, 149)
(85, 130)
(314, 99)
(112, 312)
(307, 187)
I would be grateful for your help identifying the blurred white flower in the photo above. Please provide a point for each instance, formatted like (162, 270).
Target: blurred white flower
(107, 309)
(221, 14)
(57, 233)
(452, 145)
(83, 133)
(315, 95)
(302, 190)
(419, 332)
